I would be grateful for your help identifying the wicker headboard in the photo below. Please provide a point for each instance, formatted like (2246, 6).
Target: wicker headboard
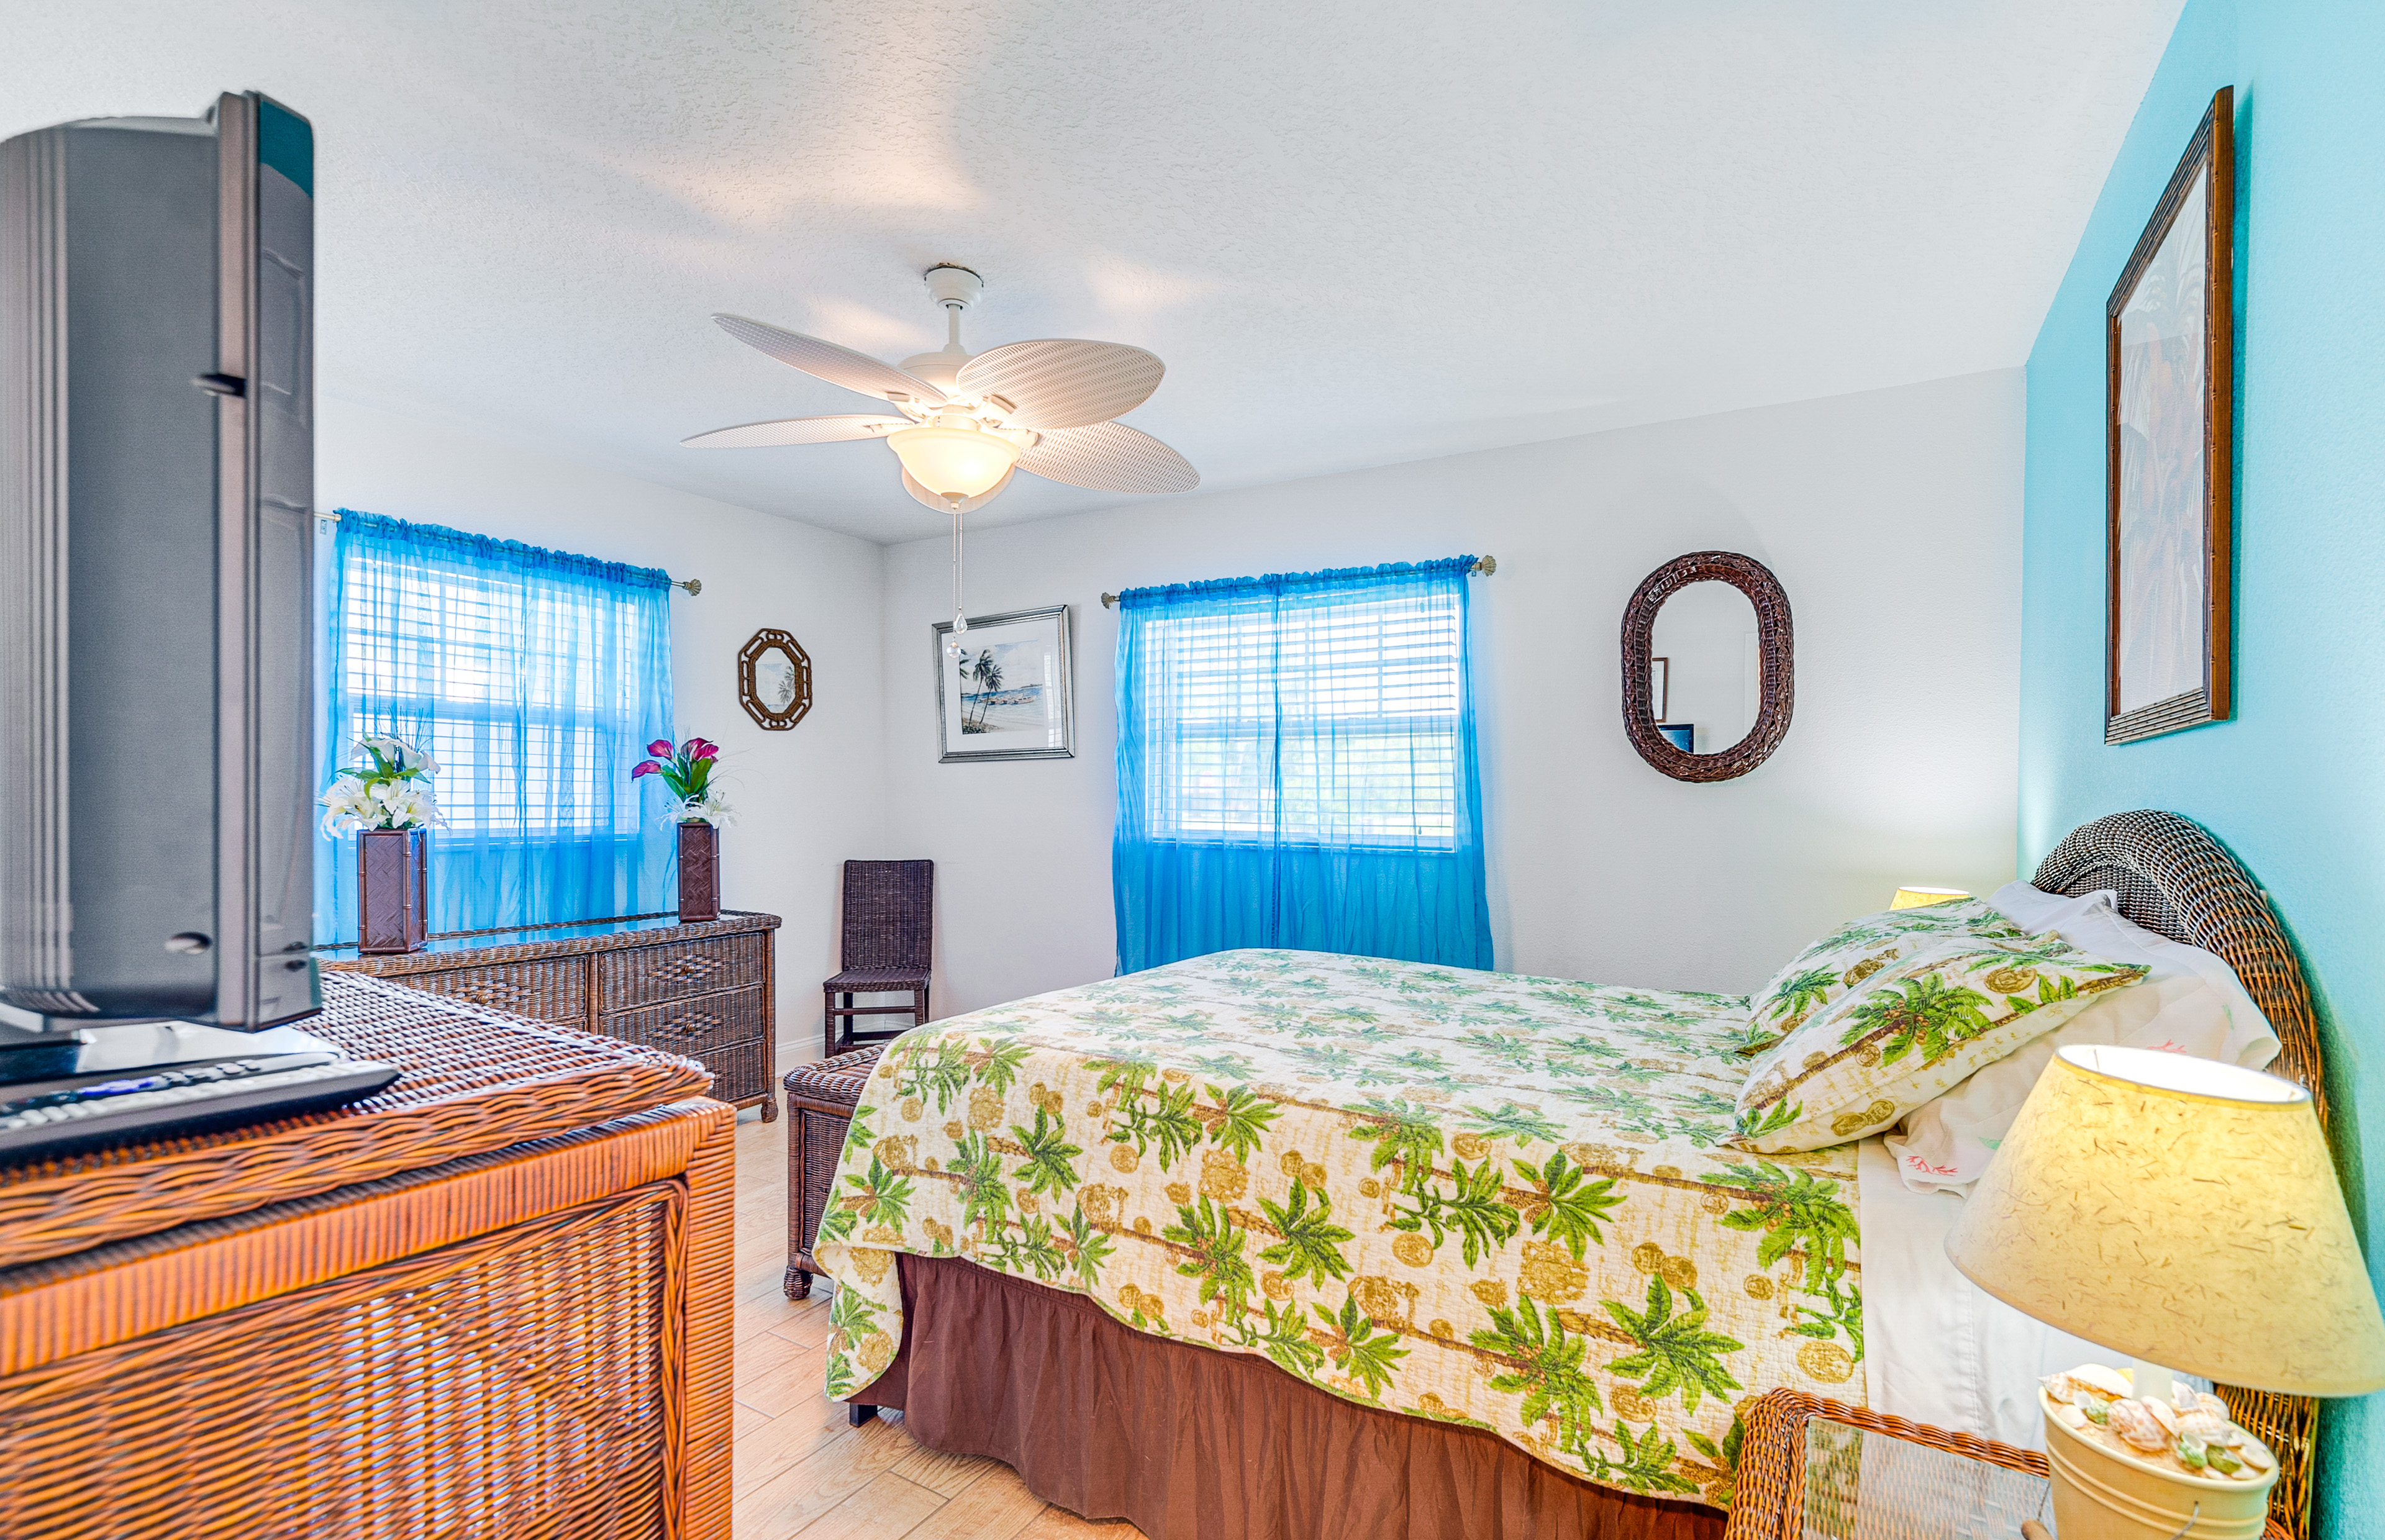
(2174, 879)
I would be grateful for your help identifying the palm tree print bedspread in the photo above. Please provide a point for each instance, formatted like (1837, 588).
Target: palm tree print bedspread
(1487, 1199)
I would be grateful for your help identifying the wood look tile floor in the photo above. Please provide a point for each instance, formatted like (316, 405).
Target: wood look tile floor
(800, 1471)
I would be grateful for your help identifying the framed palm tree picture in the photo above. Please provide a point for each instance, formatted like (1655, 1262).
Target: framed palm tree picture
(2168, 331)
(1003, 687)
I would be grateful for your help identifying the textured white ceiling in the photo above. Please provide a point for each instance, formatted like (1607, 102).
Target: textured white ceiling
(1358, 232)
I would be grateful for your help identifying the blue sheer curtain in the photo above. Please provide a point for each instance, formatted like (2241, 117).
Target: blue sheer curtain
(1296, 768)
(536, 678)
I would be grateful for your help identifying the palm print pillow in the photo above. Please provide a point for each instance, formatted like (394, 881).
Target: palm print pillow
(1910, 1031)
(1825, 972)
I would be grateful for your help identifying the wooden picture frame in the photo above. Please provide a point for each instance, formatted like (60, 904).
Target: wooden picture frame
(2169, 400)
(774, 679)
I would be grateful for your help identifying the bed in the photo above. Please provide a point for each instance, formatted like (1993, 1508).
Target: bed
(1288, 1243)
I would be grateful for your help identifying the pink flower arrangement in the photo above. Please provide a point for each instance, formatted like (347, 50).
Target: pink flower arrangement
(687, 772)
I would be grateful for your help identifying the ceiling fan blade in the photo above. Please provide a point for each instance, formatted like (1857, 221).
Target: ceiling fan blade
(1063, 382)
(968, 504)
(1110, 457)
(838, 366)
(796, 431)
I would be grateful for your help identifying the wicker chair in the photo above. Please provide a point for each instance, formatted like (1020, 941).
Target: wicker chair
(887, 935)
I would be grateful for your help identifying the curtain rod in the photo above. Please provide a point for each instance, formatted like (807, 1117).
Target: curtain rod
(1483, 567)
(694, 585)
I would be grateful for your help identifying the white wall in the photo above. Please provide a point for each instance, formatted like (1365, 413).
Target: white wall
(1891, 517)
(807, 799)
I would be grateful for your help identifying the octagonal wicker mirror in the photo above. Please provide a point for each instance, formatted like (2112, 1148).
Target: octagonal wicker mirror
(774, 679)
(1726, 655)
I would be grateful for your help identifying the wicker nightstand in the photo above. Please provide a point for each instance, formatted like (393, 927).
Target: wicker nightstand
(1815, 1468)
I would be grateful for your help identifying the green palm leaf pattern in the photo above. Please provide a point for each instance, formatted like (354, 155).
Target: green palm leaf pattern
(997, 1064)
(1032, 1250)
(1241, 1119)
(1924, 1012)
(1801, 991)
(1404, 1135)
(1522, 1124)
(1568, 1208)
(1798, 1213)
(1282, 1334)
(1311, 1247)
(1676, 1353)
(944, 1077)
(1217, 1259)
(1546, 1371)
(1050, 1165)
(1089, 1250)
(1646, 1464)
(852, 1316)
(1473, 1209)
(1367, 1353)
(985, 1198)
(885, 1198)
(1169, 1124)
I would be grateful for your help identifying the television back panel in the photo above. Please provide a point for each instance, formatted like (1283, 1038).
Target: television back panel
(155, 625)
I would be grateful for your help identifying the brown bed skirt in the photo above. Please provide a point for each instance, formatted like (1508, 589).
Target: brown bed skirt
(1192, 1444)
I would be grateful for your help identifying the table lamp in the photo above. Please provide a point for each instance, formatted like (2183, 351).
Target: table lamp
(1922, 898)
(2185, 1213)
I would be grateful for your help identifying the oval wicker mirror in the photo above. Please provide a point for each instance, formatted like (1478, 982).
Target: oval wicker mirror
(1723, 704)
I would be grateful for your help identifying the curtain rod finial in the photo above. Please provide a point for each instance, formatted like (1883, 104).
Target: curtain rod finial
(1109, 601)
(1484, 567)
(693, 585)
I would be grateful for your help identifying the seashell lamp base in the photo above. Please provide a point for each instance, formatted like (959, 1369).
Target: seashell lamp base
(2100, 1493)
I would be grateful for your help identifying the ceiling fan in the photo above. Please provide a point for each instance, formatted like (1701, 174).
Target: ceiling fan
(963, 424)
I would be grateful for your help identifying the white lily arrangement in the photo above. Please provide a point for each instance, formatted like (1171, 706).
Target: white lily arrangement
(393, 792)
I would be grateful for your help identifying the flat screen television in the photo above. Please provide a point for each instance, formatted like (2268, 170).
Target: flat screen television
(157, 487)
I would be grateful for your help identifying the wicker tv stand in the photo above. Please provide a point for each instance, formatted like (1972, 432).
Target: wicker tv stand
(705, 991)
(495, 1298)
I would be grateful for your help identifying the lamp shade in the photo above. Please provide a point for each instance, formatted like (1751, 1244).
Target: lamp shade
(1921, 897)
(2182, 1212)
(954, 462)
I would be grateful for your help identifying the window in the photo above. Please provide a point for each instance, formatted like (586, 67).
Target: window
(1296, 768)
(535, 678)
(1328, 717)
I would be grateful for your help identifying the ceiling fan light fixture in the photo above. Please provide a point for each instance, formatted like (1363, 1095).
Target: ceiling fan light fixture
(954, 462)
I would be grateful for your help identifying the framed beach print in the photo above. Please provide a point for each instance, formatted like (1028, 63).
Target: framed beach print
(2169, 394)
(1002, 694)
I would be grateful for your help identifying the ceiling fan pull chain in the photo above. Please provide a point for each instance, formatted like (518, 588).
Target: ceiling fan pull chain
(960, 618)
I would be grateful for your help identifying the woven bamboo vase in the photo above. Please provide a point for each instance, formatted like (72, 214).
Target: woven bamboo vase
(390, 888)
(699, 873)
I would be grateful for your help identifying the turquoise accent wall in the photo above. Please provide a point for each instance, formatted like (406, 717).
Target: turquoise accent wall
(2295, 784)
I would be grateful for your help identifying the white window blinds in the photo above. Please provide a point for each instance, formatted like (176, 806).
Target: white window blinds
(1328, 718)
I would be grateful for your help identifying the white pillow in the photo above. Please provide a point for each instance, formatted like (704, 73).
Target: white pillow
(2095, 924)
(2192, 1002)
(2037, 911)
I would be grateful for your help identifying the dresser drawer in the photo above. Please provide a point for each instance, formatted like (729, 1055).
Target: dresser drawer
(693, 1026)
(648, 976)
(552, 991)
(741, 1071)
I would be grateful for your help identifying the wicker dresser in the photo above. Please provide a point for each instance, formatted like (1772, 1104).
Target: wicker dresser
(493, 1299)
(703, 991)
